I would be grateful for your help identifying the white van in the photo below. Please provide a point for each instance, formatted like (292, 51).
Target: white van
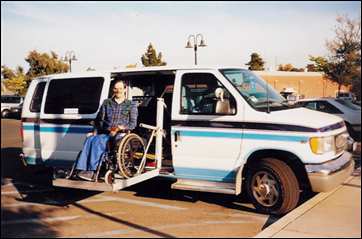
(220, 130)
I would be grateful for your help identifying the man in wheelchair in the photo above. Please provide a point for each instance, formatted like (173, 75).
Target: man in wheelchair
(116, 117)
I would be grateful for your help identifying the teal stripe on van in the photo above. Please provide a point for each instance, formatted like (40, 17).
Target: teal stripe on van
(241, 135)
(205, 174)
(72, 129)
(31, 127)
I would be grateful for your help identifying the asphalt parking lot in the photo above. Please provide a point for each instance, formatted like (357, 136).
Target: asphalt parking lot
(149, 209)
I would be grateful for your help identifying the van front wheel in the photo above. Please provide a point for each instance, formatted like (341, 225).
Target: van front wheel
(272, 186)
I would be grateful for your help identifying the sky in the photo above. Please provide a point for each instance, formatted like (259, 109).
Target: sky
(111, 35)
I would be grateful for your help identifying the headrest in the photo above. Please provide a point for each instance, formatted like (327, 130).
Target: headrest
(219, 93)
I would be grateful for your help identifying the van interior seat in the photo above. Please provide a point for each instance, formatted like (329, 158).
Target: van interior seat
(222, 105)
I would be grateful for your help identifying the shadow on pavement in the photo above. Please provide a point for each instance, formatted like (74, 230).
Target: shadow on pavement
(12, 228)
(29, 179)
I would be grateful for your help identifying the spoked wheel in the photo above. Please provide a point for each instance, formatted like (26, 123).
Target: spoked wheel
(129, 156)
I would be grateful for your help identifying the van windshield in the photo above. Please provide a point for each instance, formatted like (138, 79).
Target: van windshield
(254, 89)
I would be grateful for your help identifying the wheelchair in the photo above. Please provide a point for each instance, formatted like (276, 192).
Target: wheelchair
(123, 158)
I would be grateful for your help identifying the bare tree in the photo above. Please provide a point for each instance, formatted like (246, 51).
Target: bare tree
(345, 53)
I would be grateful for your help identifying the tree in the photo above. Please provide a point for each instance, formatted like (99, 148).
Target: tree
(320, 63)
(256, 63)
(6, 72)
(40, 64)
(289, 67)
(16, 81)
(344, 62)
(150, 58)
(43, 64)
(286, 67)
(311, 68)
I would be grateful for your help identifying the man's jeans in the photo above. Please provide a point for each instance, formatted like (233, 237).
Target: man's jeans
(93, 149)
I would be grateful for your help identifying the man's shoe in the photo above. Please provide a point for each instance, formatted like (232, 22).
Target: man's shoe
(86, 175)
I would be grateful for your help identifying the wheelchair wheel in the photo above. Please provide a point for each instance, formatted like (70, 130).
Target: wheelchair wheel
(129, 156)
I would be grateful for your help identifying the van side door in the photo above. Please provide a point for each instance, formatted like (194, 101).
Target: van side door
(205, 133)
(70, 104)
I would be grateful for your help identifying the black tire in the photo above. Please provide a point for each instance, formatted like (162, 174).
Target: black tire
(277, 184)
(5, 113)
(130, 151)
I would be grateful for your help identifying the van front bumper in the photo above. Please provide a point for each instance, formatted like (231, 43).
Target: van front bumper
(326, 176)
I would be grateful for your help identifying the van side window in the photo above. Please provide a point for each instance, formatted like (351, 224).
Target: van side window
(203, 94)
(37, 98)
(80, 93)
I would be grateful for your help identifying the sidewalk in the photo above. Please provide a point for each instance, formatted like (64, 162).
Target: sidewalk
(333, 214)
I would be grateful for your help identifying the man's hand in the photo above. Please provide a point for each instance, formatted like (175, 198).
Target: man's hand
(121, 127)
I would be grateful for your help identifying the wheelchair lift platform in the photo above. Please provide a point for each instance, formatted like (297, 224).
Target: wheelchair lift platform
(118, 184)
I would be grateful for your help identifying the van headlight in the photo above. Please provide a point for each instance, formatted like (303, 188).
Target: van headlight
(321, 145)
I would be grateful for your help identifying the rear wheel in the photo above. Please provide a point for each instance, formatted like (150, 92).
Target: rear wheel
(272, 186)
(130, 151)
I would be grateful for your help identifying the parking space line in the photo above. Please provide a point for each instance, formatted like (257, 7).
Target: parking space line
(95, 200)
(49, 202)
(26, 191)
(25, 204)
(39, 220)
(144, 203)
(162, 227)
(17, 183)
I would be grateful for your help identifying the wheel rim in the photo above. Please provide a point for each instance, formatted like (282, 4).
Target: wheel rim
(129, 161)
(264, 188)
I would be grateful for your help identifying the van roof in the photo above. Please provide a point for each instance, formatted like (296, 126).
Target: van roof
(137, 69)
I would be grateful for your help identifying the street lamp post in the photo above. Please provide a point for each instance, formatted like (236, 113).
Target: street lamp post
(202, 43)
(69, 57)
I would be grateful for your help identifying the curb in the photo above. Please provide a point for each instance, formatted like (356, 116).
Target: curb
(296, 213)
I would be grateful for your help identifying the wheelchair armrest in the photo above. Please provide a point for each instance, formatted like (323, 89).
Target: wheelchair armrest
(148, 126)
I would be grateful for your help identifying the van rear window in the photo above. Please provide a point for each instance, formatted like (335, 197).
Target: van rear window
(37, 98)
(80, 93)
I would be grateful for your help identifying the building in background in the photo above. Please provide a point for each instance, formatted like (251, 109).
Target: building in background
(305, 84)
